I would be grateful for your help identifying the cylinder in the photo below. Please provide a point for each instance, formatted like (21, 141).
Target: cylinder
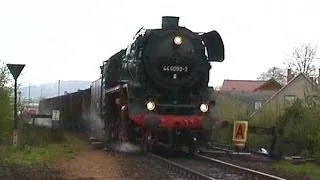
(170, 22)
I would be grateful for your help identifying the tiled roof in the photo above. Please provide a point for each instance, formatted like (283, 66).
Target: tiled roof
(241, 85)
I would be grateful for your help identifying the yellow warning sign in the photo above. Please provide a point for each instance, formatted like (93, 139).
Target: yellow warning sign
(240, 130)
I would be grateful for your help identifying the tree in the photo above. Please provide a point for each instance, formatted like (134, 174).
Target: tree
(303, 59)
(274, 72)
(5, 101)
(4, 74)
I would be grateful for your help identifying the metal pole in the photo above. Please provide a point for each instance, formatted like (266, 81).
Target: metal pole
(59, 100)
(59, 88)
(59, 103)
(71, 113)
(29, 100)
(15, 105)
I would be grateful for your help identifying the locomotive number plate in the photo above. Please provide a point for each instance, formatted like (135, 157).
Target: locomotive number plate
(175, 68)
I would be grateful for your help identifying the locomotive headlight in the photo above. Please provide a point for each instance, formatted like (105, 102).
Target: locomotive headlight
(177, 40)
(204, 108)
(151, 105)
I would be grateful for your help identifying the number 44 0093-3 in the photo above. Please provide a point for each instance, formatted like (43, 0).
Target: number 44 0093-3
(175, 68)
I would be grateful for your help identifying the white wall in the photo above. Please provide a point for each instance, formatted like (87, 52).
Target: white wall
(46, 122)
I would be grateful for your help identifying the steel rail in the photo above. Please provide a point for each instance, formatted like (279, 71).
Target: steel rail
(239, 168)
(228, 148)
(189, 173)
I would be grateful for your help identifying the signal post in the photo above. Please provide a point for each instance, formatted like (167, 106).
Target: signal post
(240, 131)
(15, 70)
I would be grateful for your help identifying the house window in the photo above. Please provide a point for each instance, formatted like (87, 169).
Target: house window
(289, 100)
(257, 105)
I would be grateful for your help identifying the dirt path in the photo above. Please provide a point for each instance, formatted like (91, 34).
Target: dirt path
(91, 164)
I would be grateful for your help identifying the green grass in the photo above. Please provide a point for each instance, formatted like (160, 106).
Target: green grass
(40, 146)
(307, 169)
(30, 155)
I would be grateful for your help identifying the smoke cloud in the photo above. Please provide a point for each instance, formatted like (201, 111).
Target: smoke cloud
(126, 147)
(94, 124)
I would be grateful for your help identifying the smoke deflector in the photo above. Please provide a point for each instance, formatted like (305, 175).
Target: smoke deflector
(214, 45)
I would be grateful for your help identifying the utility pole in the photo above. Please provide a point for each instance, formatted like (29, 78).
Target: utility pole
(29, 97)
(59, 88)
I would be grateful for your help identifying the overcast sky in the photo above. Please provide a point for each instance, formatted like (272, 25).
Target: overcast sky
(69, 39)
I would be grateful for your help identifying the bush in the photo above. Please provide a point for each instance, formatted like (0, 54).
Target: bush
(228, 109)
(300, 130)
(231, 109)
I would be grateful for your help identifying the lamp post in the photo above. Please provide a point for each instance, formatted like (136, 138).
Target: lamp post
(15, 70)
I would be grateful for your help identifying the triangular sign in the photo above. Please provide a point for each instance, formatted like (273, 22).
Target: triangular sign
(15, 69)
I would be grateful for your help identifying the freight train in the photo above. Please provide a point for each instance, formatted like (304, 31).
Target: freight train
(156, 90)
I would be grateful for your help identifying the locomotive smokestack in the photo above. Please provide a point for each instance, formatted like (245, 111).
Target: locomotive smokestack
(170, 22)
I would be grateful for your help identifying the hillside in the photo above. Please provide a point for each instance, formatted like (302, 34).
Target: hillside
(51, 89)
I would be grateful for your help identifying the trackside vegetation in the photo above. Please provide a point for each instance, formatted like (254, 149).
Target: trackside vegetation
(5, 103)
(38, 146)
(35, 157)
(299, 135)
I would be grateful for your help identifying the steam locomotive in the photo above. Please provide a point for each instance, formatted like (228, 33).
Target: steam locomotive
(156, 91)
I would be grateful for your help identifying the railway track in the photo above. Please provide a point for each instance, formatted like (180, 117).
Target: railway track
(199, 167)
(216, 151)
(181, 171)
(231, 150)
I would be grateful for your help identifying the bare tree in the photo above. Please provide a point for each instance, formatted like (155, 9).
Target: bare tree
(276, 73)
(303, 59)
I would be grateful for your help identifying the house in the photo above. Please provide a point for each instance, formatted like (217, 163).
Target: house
(298, 87)
(268, 99)
(251, 92)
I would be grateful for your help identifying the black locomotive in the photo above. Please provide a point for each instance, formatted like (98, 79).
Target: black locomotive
(156, 90)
